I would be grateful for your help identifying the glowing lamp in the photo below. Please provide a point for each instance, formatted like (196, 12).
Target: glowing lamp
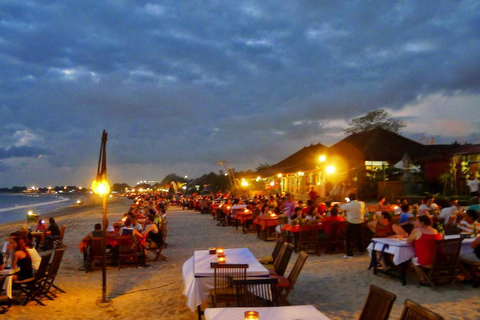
(79, 201)
(251, 315)
(246, 211)
(100, 187)
(222, 259)
(273, 215)
(322, 158)
(220, 251)
(279, 175)
(30, 212)
(330, 169)
(244, 183)
(272, 183)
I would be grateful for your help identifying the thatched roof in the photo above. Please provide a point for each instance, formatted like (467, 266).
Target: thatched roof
(377, 145)
(305, 159)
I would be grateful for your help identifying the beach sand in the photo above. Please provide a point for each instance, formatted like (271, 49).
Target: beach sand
(335, 286)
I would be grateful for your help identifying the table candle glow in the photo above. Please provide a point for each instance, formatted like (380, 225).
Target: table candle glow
(251, 315)
(222, 259)
(220, 251)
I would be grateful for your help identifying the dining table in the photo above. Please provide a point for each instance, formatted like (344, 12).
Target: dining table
(303, 312)
(403, 252)
(7, 274)
(265, 224)
(198, 274)
(295, 228)
(40, 236)
(242, 216)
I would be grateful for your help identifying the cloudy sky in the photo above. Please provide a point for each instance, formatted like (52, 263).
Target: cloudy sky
(179, 85)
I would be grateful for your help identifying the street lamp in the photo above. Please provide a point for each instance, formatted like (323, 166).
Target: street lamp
(101, 187)
(330, 169)
(322, 158)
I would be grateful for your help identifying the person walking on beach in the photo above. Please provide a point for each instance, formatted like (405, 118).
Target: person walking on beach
(354, 212)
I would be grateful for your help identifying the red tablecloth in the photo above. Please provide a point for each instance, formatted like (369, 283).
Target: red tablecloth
(298, 228)
(243, 216)
(265, 222)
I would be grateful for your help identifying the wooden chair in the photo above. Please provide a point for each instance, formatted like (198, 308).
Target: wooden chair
(156, 248)
(336, 239)
(281, 263)
(52, 274)
(451, 228)
(308, 238)
(34, 287)
(414, 311)
(269, 259)
(378, 304)
(95, 251)
(256, 292)
(445, 262)
(224, 274)
(58, 243)
(127, 250)
(286, 285)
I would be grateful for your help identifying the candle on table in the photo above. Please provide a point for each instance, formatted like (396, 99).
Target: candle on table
(251, 315)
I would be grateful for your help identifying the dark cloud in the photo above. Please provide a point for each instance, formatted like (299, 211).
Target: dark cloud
(183, 84)
(22, 152)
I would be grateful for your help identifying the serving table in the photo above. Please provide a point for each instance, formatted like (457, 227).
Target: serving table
(307, 312)
(198, 274)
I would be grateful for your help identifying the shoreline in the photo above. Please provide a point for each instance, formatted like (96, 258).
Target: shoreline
(90, 203)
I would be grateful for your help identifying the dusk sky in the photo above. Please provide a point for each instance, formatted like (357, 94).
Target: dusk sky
(179, 85)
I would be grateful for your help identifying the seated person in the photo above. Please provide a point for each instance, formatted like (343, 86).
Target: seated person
(305, 210)
(449, 214)
(152, 232)
(96, 233)
(475, 204)
(41, 225)
(469, 223)
(333, 217)
(406, 218)
(313, 214)
(383, 227)
(21, 259)
(54, 234)
(127, 229)
(135, 225)
(472, 257)
(423, 238)
(296, 213)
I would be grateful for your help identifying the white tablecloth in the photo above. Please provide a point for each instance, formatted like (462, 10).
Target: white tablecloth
(239, 206)
(198, 274)
(402, 251)
(7, 285)
(272, 313)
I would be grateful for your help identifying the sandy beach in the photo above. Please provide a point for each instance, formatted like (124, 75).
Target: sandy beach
(335, 286)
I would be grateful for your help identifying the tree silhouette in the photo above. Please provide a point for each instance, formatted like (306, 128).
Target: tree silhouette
(375, 118)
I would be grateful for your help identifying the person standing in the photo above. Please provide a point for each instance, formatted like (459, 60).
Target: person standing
(473, 186)
(312, 194)
(354, 212)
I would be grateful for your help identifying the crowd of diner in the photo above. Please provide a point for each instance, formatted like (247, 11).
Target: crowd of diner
(144, 224)
(420, 224)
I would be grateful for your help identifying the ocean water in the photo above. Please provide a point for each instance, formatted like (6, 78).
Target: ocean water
(14, 207)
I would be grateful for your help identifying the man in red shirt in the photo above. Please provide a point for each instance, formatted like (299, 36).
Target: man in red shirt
(333, 217)
(312, 194)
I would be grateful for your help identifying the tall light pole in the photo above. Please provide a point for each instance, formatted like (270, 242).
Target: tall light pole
(101, 187)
